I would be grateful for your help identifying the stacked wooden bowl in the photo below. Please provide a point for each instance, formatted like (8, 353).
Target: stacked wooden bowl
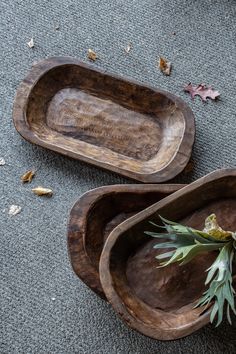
(111, 254)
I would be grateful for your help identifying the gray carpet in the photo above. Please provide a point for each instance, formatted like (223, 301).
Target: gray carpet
(44, 306)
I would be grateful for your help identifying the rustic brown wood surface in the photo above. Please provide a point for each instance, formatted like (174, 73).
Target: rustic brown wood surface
(158, 302)
(120, 125)
(96, 214)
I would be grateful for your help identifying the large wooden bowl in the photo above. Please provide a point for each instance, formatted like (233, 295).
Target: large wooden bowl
(117, 124)
(96, 214)
(158, 302)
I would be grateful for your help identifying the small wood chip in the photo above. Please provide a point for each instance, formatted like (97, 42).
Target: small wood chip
(31, 43)
(2, 161)
(128, 48)
(42, 192)
(27, 176)
(14, 210)
(92, 55)
(164, 66)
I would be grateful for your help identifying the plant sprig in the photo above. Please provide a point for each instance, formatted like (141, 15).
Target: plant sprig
(185, 243)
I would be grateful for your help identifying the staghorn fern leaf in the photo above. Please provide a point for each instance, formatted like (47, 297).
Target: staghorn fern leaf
(185, 254)
(183, 243)
(220, 289)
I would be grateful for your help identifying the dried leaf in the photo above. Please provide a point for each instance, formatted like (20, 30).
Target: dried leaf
(213, 229)
(2, 161)
(92, 55)
(31, 43)
(164, 66)
(201, 90)
(14, 210)
(189, 167)
(128, 48)
(27, 176)
(40, 191)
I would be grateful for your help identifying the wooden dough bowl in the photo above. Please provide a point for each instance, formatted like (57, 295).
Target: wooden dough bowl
(96, 214)
(158, 302)
(117, 124)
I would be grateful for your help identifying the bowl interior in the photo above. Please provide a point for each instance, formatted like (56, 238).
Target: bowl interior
(82, 110)
(171, 289)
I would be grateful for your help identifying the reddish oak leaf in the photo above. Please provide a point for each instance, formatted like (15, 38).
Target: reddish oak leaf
(201, 90)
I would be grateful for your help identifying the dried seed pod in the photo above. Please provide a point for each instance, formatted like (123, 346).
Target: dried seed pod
(27, 176)
(41, 191)
(92, 55)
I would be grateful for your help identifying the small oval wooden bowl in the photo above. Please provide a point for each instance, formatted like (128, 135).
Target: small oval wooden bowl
(96, 214)
(114, 123)
(158, 302)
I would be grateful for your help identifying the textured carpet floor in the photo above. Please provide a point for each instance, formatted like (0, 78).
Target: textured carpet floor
(44, 306)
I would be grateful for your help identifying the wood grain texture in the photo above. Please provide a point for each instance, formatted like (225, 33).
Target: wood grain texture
(158, 302)
(72, 108)
(96, 214)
